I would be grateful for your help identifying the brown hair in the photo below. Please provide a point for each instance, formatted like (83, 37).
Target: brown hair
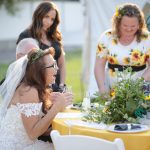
(35, 28)
(35, 75)
(130, 10)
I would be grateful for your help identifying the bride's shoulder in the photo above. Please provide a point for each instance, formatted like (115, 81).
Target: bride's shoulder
(28, 94)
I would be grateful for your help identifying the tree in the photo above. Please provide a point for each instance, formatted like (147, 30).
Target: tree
(11, 5)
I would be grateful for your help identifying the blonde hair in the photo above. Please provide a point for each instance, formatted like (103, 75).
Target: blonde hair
(130, 10)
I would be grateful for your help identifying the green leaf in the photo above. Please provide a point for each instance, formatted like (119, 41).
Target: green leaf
(131, 106)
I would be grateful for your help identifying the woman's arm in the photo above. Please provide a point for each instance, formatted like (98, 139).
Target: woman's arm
(34, 124)
(39, 126)
(62, 68)
(99, 71)
(146, 74)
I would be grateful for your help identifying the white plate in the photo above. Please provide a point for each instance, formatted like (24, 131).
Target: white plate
(143, 128)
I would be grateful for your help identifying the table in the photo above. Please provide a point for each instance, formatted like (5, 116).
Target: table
(132, 141)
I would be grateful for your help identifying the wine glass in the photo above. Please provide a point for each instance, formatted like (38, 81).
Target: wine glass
(68, 89)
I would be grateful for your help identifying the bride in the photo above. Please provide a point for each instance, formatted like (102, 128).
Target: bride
(25, 96)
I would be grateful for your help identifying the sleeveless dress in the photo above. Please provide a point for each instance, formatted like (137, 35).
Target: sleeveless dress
(13, 135)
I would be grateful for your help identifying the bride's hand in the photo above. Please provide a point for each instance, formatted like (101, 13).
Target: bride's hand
(63, 99)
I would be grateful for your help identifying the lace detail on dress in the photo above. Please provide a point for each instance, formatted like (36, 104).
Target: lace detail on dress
(30, 109)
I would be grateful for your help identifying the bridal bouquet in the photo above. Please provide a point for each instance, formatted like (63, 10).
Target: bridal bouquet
(125, 103)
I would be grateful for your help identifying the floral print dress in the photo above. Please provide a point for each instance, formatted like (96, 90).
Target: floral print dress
(134, 54)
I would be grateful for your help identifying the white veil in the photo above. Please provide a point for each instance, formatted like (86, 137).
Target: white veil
(15, 74)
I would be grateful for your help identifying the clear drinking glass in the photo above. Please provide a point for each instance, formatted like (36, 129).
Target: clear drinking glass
(86, 104)
(68, 89)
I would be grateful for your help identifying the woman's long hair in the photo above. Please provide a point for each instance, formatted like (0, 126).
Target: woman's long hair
(53, 34)
(35, 75)
(130, 10)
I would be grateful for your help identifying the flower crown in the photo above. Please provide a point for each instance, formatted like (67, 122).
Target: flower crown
(36, 55)
(120, 12)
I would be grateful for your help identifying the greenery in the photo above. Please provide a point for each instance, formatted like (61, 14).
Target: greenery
(11, 5)
(3, 68)
(125, 103)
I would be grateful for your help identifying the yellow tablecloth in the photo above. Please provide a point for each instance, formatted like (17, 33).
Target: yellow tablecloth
(132, 141)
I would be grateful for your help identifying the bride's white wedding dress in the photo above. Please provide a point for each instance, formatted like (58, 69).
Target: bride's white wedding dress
(13, 135)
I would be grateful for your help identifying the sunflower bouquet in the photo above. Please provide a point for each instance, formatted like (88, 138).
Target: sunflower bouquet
(125, 103)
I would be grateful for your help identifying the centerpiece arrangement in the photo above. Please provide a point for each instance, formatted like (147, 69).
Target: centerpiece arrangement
(127, 102)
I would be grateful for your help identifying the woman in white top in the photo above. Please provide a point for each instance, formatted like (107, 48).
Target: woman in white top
(127, 44)
(25, 96)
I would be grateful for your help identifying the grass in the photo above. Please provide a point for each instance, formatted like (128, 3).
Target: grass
(73, 65)
(3, 68)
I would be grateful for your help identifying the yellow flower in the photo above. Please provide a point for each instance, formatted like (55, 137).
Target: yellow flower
(126, 60)
(105, 109)
(112, 73)
(144, 59)
(100, 48)
(108, 33)
(136, 55)
(112, 92)
(147, 97)
(114, 41)
(112, 60)
(117, 12)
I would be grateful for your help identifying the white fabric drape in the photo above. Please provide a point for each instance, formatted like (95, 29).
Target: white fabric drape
(15, 74)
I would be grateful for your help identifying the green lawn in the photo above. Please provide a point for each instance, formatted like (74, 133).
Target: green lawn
(73, 64)
(3, 68)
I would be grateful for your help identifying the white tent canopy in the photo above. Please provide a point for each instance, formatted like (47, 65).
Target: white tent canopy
(98, 15)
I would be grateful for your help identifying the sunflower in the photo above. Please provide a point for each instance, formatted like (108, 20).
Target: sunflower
(135, 55)
(117, 12)
(100, 48)
(112, 93)
(126, 60)
(114, 41)
(108, 33)
(147, 97)
(112, 60)
(144, 59)
(105, 109)
(112, 73)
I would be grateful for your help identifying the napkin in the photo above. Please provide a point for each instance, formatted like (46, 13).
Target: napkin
(124, 127)
(69, 115)
(135, 126)
(85, 124)
(121, 127)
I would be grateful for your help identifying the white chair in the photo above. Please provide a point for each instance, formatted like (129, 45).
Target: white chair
(80, 142)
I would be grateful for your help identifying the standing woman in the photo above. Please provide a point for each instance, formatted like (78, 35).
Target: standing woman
(127, 44)
(44, 28)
